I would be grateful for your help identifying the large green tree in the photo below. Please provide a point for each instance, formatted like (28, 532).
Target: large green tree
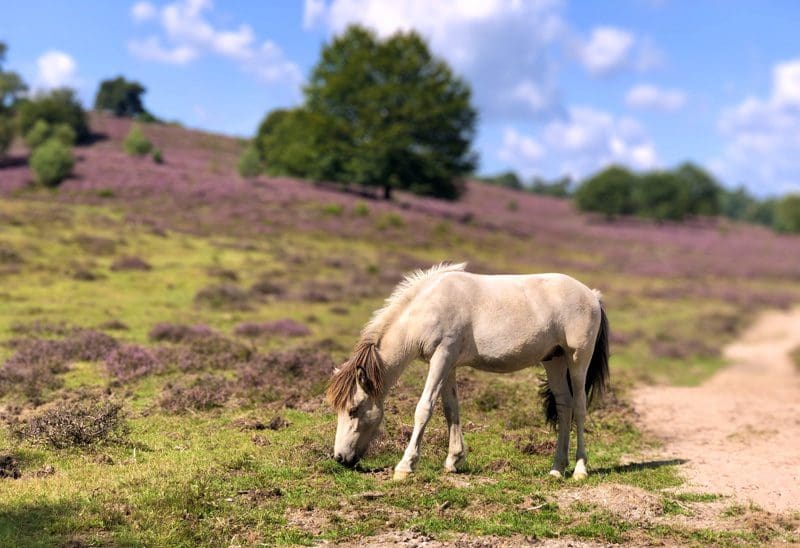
(787, 214)
(377, 112)
(121, 97)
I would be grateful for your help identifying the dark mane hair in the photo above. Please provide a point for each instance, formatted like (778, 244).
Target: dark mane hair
(343, 383)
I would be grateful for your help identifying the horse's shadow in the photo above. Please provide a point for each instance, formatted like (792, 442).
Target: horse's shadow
(637, 466)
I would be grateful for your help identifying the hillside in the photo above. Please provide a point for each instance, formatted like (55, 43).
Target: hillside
(212, 309)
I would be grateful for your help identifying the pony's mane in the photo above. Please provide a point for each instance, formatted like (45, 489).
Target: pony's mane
(343, 383)
(401, 296)
(365, 355)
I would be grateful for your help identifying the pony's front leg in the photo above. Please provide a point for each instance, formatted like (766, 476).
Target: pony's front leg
(437, 376)
(457, 451)
(557, 380)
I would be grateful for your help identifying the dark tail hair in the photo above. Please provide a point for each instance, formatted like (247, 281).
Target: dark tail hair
(596, 376)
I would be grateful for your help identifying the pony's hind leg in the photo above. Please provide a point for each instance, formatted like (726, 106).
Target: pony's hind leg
(577, 375)
(557, 380)
(457, 451)
(439, 371)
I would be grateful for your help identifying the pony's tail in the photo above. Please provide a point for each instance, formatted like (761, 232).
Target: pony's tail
(596, 376)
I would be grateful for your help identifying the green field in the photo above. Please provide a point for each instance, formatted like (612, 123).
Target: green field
(250, 464)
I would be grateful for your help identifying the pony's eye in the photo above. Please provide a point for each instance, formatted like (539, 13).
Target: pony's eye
(353, 412)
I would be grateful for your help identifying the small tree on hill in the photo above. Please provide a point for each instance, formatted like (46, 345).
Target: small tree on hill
(11, 89)
(52, 162)
(609, 192)
(120, 97)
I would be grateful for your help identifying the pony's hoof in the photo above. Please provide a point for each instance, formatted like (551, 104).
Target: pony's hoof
(555, 474)
(400, 475)
(579, 475)
(452, 466)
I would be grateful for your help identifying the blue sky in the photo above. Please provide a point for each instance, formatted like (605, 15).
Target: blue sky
(561, 87)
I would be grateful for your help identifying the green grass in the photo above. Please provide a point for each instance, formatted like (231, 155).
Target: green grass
(198, 479)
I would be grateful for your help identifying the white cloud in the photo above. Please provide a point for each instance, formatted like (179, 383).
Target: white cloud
(143, 11)
(151, 49)
(763, 147)
(505, 48)
(650, 97)
(584, 141)
(608, 50)
(55, 69)
(521, 151)
(190, 35)
(313, 13)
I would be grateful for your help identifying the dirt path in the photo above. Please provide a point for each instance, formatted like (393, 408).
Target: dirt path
(740, 431)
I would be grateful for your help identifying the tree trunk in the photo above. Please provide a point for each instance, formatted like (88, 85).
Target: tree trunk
(387, 192)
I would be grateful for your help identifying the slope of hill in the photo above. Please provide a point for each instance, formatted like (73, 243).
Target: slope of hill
(211, 308)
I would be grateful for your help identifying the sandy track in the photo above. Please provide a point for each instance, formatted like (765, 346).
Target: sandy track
(740, 431)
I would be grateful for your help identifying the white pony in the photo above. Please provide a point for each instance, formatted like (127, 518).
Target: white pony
(451, 319)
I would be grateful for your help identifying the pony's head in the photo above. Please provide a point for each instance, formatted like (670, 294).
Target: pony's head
(356, 394)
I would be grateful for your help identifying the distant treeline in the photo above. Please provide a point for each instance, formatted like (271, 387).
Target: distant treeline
(664, 195)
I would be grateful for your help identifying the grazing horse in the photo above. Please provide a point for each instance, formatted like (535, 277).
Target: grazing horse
(499, 323)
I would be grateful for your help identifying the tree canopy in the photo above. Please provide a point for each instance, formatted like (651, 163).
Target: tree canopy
(11, 85)
(58, 106)
(121, 97)
(384, 113)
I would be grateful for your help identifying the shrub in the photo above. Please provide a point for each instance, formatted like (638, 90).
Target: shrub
(130, 263)
(223, 296)
(76, 424)
(249, 163)
(131, 361)
(176, 333)
(361, 209)
(787, 214)
(6, 134)
(64, 134)
(285, 328)
(58, 106)
(136, 144)
(203, 394)
(158, 158)
(38, 134)
(52, 162)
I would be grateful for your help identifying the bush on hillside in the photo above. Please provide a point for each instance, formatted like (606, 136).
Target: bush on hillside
(59, 106)
(52, 162)
(136, 144)
(609, 192)
(249, 163)
(42, 132)
(787, 214)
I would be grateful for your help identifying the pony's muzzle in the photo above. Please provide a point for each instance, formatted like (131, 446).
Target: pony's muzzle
(349, 463)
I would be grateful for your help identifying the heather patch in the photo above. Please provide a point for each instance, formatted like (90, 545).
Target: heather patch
(130, 263)
(76, 423)
(202, 394)
(131, 361)
(177, 333)
(9, 255)
(42, 328)
(35, 364)
(205, 353)
(278, 328)
(224, 296)
(114, 325)
(95, 245)
(291, 372)
(267, 288)
(9, 467)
